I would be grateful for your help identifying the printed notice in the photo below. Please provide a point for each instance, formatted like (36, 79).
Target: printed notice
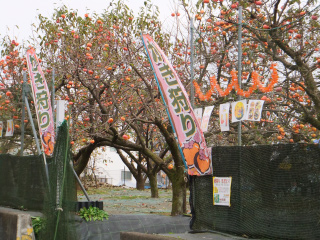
(222, 191)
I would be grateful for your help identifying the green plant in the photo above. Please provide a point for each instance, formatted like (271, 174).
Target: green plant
(37, 224)
(22, 208)
(93, 213)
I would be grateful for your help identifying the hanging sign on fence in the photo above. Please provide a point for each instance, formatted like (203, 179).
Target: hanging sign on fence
(254, 110)
(239, 110)
(224, 117)
(205, 118)
(222, 191)
(1, 128)
(10, 129)
(183, 119)
(42, 102)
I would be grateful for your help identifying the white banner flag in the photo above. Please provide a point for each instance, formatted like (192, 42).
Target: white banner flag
(60, 112)
(198, 113)
(224, 117)
(205, 118)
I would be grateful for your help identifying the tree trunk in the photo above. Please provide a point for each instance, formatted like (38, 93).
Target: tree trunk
(140, 182)
(153, 185)
(185, 199)
(82, 158)
(178, 195)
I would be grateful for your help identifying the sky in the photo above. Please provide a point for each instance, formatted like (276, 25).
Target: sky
(17, 16)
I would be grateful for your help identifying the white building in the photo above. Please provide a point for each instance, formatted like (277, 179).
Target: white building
(109, 168)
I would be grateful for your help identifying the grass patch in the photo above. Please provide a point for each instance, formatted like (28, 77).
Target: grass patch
(126, 197)
(114, 190)
(161, 213)
(130, 197)
(92, 191)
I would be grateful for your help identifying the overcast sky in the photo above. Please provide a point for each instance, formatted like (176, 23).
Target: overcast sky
(22, 13)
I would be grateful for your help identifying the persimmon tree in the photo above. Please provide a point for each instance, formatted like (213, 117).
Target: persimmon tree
(278, 32)
(103, 72)
(12, 66)
(142, 168)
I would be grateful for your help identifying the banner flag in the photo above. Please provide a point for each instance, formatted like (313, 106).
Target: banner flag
(224, 117)
(1, 128)
(198, 113)
(42, 102)
(190, 137)
(254, 110)
(205, 118)
(10, 128)
(239, 110)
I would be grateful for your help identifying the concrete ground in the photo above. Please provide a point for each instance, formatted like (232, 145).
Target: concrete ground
(186, 236)
(134, 211)
(111, 229)
(205, 236)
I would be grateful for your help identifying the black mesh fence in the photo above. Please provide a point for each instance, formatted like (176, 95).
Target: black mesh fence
(275, 192)
(22, 181)
(24, 185)
(60, 202)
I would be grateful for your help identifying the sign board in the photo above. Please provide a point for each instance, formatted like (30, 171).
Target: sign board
(222, 191)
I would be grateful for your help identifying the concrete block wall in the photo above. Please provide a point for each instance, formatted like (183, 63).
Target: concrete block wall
(15, 225)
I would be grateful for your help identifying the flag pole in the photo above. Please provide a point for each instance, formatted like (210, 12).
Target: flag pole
(37, 140)
(23, 111)
(53, 94)
(239, 65)
(191, 65)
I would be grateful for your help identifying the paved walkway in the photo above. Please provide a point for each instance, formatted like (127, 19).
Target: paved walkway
(174, 227)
